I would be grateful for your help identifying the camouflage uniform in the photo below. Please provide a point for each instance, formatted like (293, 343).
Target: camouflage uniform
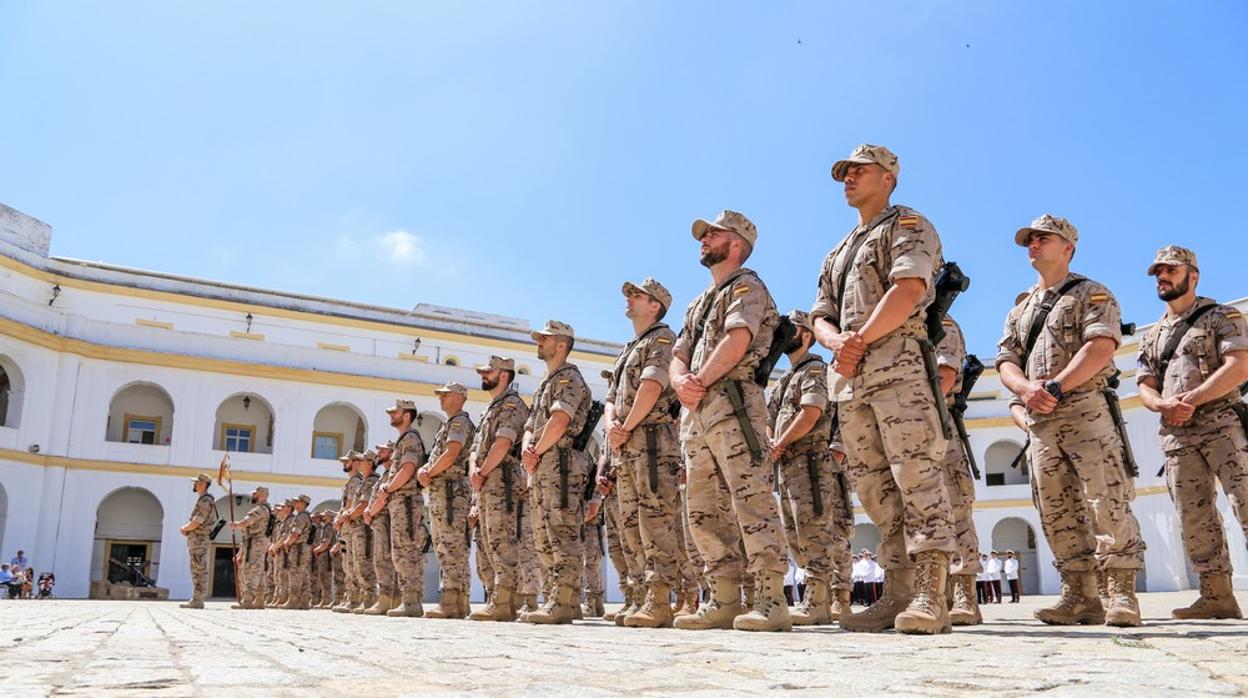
(379, 532)
(405, 507)
(352, 593)
(648, 480)
(363, 547)
(448, 504)
(324, 567)
(255, 549)
(281, 562)
(556, 525)
(592, 553)
(723, 477)
(485, 572)
(890, 422)
(298, 555)
(498, 508)
(616, 544)
(951, 353)
(197, 542)
(1212, 445)
(815, 528)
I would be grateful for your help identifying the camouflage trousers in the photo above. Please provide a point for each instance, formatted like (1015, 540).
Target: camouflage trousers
(526, 553)
(448, 522)
(1085, 495)
(383, 556)
(325, 576)
(592, 553)
(731, 504)
(557, 513)
(615, 546)
(270, 576)
(961, 487)
(650, 501)
(894, 442)
(254, 550)
(346, 563)
(363, 547)
(1196, 456)
(485, 572)
(197, 545)
(500, 529)
(297, 572)
(408, 536)
(692, 566)
(339, 577)
(817, 529)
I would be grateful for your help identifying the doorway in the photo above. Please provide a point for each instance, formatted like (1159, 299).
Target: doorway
(128, 561)
(221, 581)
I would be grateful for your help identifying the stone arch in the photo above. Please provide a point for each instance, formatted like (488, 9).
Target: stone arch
(1013, 533)
(12, 392)
(337, 428)
(128, 526)
(997, 460)
(140, 412)
(245, 423)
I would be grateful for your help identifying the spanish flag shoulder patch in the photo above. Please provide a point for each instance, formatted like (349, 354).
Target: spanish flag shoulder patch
(663, 340)
(908, 221)
(741, 290)
(816, 370)
(1233, 314)
(947, 322)
(1098, 297)
(565, 381)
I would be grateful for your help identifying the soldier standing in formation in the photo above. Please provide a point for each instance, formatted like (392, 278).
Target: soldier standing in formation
(196, 530)
(401, 497)
(445, 478)
(873, 292)
(255, 528)
(496, 474)
(1057, 357)
(812, 505)
(727, 332)
(1192, 365)
(557, 472)
(346, 534)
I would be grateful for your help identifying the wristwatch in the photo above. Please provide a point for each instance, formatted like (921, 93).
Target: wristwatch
(1055, 389)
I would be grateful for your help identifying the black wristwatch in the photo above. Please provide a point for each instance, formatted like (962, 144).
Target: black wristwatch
(1055, 389)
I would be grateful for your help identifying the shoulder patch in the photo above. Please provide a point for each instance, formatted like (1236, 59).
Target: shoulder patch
(908, 221)
(816, 370)
(741, 290)
(564, 381)
(947, 322)
(1232, 313)
(1098, 297)
(663, 340)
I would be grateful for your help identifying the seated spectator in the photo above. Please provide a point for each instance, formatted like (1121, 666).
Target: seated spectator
(19, 560)
(11, 584)
(28, 583)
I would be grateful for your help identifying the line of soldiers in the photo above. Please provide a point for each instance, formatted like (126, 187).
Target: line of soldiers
(707, 486)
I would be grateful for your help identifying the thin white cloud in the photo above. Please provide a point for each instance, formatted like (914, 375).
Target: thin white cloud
(398, 248)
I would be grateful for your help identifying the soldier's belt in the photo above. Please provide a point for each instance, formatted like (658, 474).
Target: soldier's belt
(736, 398)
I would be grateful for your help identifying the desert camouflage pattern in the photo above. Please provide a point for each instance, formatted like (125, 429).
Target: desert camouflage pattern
(203, 513)
(1210, 448)
(449, 501)
(1075, 453)
(504, 417)
(951, 353)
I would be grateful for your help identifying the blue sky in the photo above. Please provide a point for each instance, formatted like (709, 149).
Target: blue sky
(525, 158)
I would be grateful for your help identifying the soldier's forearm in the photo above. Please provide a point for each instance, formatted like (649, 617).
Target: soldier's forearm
(1090, 360)
(728, 353)
(1012, 377)
(1226, 379)
(1149, 396)
(406, 470)
(801, 426)
(555, 428)
(643, 402)
(496, 454)
(897, 304)
(447, 458)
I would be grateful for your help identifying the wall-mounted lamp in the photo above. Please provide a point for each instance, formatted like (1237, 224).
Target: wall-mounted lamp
(246, 402)
(415, 346)
(34, 448)
(249, 319)
(56, 292)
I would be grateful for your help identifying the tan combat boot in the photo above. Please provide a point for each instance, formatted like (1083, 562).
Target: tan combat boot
(965, 607)
(840, 604)
(241, 603)
(719, 612)
(193, 602)
(1124, 608)
(1216, 600)
(409, 608)
(559, 610)
(880, 616)
(364, 604)
(254, 602)
(499, 607)
(656, 612)
(627, 592)
(448, 605)
(679, 608)
(816, 607)
(385, 603)
(344, 606)
(594, 607)
(693, 599)
(770, 611)
(465, 605)
(528, 604)
(1102, 588)
(578, 609)
(927, 614)
(1079, 603)
(281, 600)
(634, 601)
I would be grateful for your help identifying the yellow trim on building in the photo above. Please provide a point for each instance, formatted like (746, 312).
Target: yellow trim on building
(332, 347)
(413, 357)
(247, 335)
(515, 346)
(166, 470)
(154, 324)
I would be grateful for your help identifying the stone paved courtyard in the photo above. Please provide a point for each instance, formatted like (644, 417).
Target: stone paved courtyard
(102, 648)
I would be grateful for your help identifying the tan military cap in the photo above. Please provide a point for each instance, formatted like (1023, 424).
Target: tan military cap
(304, 498)
(1174, 256)
(202, 478)
(867, 154)
(452, 387)
(384, 446)
(288, 502)
(501, 363)
(345, 458)
(553, 328)
(260, 489)
(652, 288)
(1048, 223)
(401, 404)
(368, 455)
(727, 220)
(801, 318)
(352, 455)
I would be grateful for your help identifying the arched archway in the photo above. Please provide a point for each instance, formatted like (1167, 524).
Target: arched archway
(867, 536)
(337, 428)
(244, 424)
(4, 515)
(12, 392)
(1016, 534)
(128, 524)
(140, 413)
(327, 505)
(997, 461)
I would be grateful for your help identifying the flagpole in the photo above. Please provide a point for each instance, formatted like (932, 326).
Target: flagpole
(229, 478)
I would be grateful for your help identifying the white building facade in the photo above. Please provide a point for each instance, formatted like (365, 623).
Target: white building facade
(117, 385)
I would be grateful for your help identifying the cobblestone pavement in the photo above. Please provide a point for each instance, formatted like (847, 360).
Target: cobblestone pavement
(103, 648)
